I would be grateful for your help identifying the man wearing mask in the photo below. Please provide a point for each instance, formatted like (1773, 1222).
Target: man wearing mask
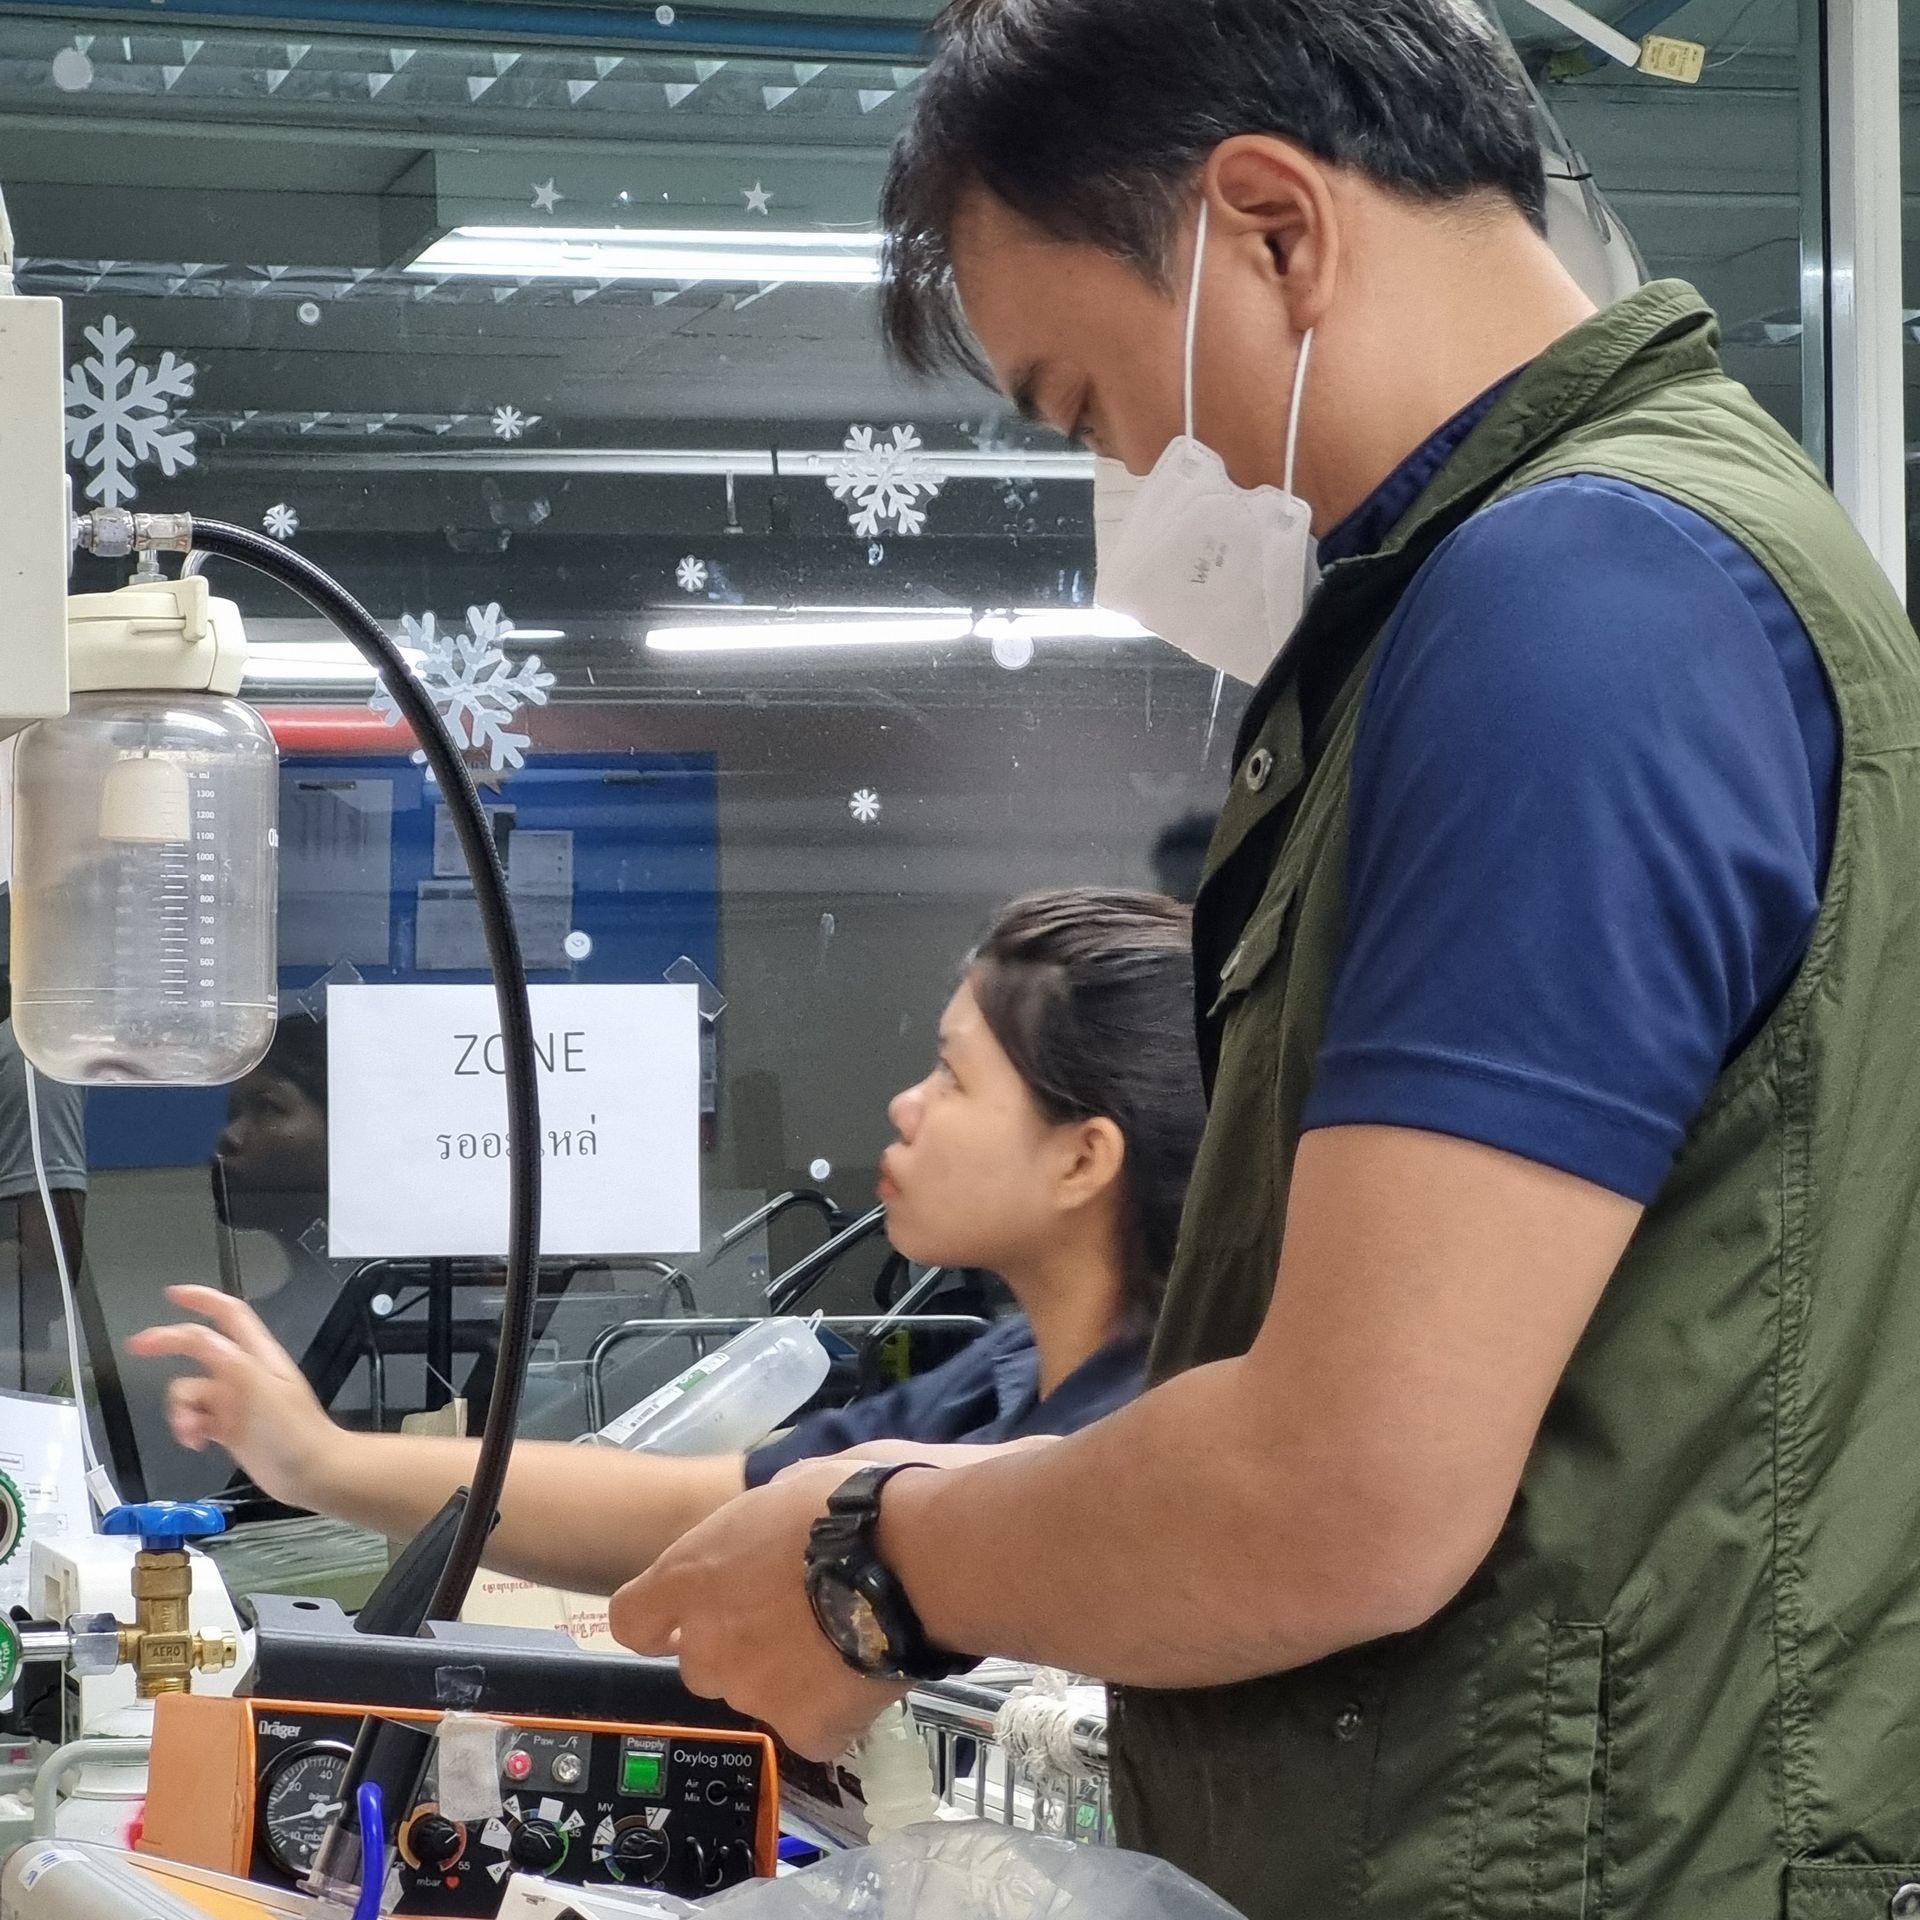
(1522, 1522)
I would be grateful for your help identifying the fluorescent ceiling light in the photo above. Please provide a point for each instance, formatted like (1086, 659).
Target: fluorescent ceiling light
(313, 663)
(788, 636)
(1094, 623)
(661, 253)
(891, 630)
(963, 463)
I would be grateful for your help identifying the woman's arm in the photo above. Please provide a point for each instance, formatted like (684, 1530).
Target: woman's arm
(585, 1518)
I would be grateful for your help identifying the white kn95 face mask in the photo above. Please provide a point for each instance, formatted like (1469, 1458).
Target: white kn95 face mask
(1218, 570)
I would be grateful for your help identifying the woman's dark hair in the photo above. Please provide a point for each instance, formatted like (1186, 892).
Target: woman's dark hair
(1091, 118)
(1090, 994)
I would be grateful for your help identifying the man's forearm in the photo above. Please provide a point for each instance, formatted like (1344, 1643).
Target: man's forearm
(584, 1518)
(1227, 1557)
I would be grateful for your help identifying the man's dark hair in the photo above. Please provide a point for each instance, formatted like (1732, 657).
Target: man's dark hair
(1089, 992)
(1091, 118)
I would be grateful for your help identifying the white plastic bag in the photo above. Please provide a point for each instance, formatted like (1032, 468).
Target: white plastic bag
(976, 1870)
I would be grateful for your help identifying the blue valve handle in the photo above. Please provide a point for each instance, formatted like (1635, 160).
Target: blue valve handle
(167, 1526)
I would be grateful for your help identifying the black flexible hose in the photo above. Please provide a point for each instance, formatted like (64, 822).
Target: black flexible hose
(327, 597)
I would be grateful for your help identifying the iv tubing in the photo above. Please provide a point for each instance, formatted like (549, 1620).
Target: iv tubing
(373, 1852)
(99, 1486)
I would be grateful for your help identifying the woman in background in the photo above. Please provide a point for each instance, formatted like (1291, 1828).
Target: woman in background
(1051, 1144)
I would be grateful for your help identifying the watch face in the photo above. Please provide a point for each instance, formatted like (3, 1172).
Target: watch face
(848, 1619)
(871, 1648)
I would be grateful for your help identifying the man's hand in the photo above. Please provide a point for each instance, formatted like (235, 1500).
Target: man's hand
(730, 1598)
(249, 1396)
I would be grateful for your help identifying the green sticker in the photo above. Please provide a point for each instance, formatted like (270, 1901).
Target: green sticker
(9, 1655)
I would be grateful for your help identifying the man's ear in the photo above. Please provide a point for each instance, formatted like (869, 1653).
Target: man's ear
(1272, 195)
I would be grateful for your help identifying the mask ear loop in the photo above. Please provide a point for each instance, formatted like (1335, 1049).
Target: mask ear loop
(1293, 411)
(1193, 304)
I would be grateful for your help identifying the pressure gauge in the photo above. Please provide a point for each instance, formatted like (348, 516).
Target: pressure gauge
(300, 1795)
(13, 1519)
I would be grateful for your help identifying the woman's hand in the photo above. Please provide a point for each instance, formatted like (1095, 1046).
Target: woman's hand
(249, 1398)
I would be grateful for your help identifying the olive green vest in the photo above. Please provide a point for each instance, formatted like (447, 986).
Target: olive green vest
(1686, 1682)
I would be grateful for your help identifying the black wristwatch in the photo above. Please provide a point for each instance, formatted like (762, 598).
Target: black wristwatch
(860, 1605)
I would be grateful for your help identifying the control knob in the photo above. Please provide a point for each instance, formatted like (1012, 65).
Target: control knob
(435, 1841)
(638, 1853)
(538, 1845)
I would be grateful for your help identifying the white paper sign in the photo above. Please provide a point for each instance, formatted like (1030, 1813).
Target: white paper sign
(417, 1147)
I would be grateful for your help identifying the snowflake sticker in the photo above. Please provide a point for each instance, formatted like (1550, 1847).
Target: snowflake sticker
(509, 423)
(120, 413)
(469, 679)
(692, 575)
(865, 806)
(282, 522)
(884, 479)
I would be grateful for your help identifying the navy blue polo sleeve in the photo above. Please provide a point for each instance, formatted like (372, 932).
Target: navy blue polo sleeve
(1591, 806)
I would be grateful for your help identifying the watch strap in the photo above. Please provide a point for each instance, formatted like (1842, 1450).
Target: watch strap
(858, 1496)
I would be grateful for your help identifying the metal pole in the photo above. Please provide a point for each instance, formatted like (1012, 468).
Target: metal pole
(1863, 200)
(1816, 419)
(439, 1334)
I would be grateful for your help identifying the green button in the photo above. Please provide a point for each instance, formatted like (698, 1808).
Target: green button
(642, 1773)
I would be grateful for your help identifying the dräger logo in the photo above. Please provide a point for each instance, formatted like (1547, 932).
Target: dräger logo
(278, 1730)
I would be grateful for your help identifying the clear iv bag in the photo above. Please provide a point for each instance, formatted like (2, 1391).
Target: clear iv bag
(144, 890)
(730, 1400)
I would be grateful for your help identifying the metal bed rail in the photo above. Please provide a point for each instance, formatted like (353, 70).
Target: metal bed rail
(810, 1197)
(977, 1776)
(786, 1291)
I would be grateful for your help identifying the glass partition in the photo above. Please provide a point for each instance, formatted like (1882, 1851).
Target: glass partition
(1719, 181)
(780, 673)
(563, 360)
